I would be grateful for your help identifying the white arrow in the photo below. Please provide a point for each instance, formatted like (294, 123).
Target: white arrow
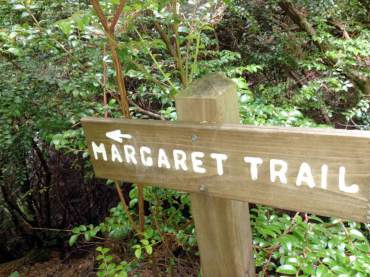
(117, 135)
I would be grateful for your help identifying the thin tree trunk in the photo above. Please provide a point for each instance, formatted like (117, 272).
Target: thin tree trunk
(109, 29)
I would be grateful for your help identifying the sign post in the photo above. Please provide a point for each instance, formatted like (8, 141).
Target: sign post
(222, 225)
(224, 165)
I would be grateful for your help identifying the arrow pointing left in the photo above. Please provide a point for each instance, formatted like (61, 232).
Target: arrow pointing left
(116, 135)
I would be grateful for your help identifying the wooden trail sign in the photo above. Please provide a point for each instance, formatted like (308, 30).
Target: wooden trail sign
(323, 171)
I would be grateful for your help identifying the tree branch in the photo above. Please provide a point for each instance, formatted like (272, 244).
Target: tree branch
(116, 61)
(47, 173)
(178, 57)
(121, 83)
(173, 51)
(124, 101)
(117, 15)
(299, 19)
(340, 27)
(100, 14)
(120, 195)
(361, 82)
(149, 113)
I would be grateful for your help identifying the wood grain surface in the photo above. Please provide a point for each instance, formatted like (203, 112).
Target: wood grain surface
(222, 225)
(316, 147)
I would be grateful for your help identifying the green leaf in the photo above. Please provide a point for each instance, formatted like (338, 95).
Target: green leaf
(138, 253)
(99, 257)
(83, 228)
(87, 236)
(14, 51)
(149, 249)
(105, 250)
(119, 232)
(322, 271)
(76, 230)
(145, 242)
(286, 269)
(122, 274)
(65, 26)
(19, 7)
(73, 239)
(293, 261)
(123, 54)
(75, 93)
(338, 269)
(81, 20)
(356, 234)
(14, 274)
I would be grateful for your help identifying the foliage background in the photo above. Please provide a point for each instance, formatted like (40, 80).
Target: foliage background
(301, 63)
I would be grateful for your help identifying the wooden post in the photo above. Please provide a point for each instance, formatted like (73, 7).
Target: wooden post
(222, 226)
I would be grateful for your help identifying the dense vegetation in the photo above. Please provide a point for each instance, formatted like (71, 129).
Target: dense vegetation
(301, 63)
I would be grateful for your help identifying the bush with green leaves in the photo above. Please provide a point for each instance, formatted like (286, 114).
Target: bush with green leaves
(107, 267)
(290, 244)
(309, 245)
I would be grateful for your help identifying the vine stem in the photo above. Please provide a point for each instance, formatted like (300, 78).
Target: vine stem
(109, 29)
(125, 207)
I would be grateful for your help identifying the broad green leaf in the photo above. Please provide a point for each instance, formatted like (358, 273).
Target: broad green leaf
(65, 26)
(286, 269)
(83, 228)
(144, 242)
(138, 253)
(321, 271)
(149, 249)
(99, 257)
(73, 239)
(76, 230)
(87, 236)
(122, 274)
(356, 234)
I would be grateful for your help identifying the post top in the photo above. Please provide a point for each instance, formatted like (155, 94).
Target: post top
(211, 85)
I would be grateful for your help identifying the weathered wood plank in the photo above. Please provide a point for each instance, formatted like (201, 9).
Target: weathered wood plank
(316, 147)
(222, 225)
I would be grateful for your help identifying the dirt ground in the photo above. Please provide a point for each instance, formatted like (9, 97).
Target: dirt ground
(57, 264)
(81, 262)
